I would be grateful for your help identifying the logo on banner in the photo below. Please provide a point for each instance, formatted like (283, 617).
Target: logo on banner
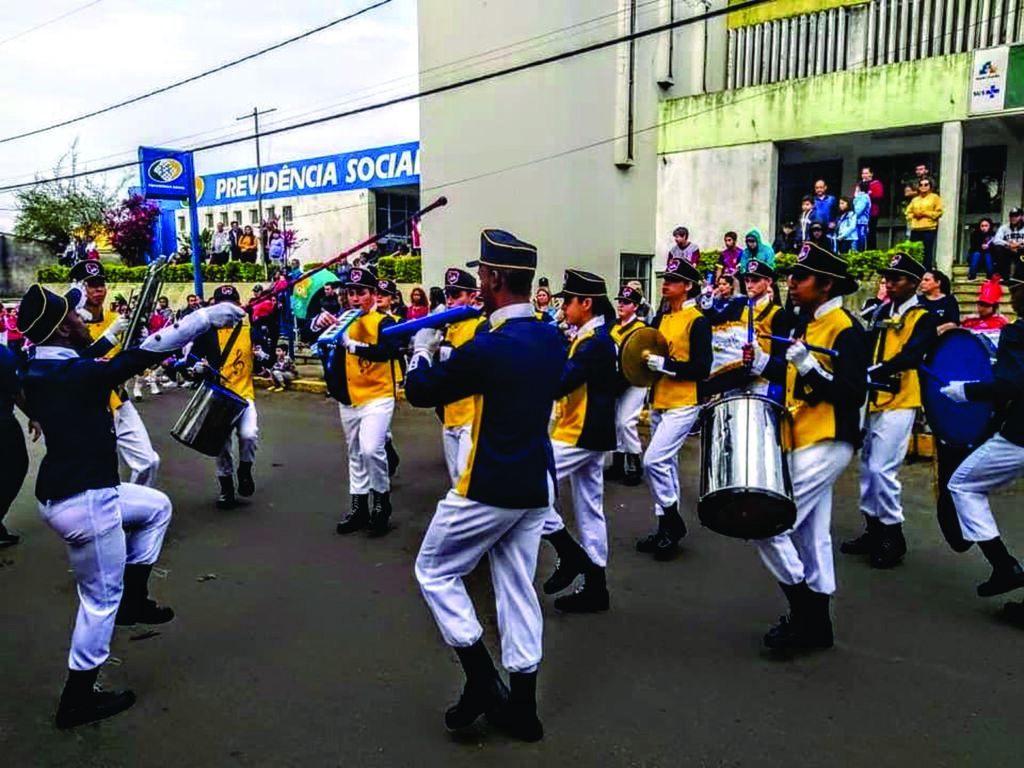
(989, 79)
(165, 170)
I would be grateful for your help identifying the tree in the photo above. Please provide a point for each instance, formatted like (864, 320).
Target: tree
(129, 226)
(52, 211)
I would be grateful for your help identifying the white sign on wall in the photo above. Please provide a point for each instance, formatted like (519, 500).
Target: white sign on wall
(988, 80)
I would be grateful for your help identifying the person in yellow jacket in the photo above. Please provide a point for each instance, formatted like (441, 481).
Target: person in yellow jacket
(387, 295)
(923, 214)
(460, 288)
(900, 332)
(626, 458)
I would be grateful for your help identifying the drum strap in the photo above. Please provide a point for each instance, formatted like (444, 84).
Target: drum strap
(231, 343)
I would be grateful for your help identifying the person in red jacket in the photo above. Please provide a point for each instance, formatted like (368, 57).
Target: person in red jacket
(876, 191)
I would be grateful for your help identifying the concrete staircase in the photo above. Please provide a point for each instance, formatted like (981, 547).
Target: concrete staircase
(966, 293)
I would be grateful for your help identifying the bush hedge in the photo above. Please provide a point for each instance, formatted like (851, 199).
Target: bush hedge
(401, 269)
(232, 272)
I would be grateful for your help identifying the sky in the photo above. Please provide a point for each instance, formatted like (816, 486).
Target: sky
(106, 51)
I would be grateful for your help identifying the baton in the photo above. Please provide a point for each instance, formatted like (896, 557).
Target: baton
(811, 347)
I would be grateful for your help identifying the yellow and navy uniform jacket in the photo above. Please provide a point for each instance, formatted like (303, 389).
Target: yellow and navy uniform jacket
(236, 369)
(588, 390)
(398, 363)
(460, 413)
(620, 332)
(899, 341)
(512, 369)
(688, 334)
(826, 405)
(1007, 387)
(370, 373)
(96, 330)
(769, 320)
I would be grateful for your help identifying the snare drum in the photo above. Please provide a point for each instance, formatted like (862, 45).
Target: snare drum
(206, 423)
(958, 355)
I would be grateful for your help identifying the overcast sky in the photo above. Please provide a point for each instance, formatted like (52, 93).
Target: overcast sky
(116, 49)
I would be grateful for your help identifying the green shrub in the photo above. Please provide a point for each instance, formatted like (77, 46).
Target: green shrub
(53, 274)
(312, 265)
(709, 261)
(232, 272)
(404, 269)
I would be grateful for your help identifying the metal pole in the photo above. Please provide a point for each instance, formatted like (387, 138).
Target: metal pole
(256, 112)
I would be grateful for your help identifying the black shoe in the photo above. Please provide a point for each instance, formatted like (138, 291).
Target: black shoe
(570, 564)
(649, 544)
(83, 701)
(226, 500)
(615, 471)
(633, 473)
(484, 692)
(136, 606)
(393, 458)
(1003, 580)
(807, 625)
(866, 543)
(8, 539)
(358, 516)
(667, 544)
(380, 513)
(590, 597)
(519, 719)
(891, 548)
(246, 486)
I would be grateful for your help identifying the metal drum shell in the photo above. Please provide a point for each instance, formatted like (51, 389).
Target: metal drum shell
(209, 416)
(746, 491)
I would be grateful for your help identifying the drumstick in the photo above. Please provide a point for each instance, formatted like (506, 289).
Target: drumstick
(200, 360)
(811, 347)
(934, 375)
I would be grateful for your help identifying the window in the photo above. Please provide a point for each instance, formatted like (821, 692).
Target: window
(254, 216)
(181, 223)
(224, 218)
(635, 266)
(286, 212)
(271, 212)
(984, 173)
(209, 221)
(237, 217)
(392, 209)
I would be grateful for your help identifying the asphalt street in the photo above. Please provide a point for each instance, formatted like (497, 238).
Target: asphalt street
(293, 646)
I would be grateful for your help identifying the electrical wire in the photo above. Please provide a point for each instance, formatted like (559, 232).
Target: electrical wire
(54, 20)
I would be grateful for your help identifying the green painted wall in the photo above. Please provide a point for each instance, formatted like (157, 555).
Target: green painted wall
(923, 92)
(783, 9)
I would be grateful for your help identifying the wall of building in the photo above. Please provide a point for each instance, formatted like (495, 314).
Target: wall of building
(19, 260)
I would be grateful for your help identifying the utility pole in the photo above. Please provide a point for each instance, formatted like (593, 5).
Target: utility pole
(255, 116)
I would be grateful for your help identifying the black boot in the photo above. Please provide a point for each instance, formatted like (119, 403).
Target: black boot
(8, 539)
(891, 547)
(136, 606)
(633, 473)
(246, 486)
(571, 561)
(484, 692)
(358, 516)
(1007, 574)
(615, 471)
(590, 597)
(380, 513)
(226, 500)
(649, 543)
(675, 529)
(808, 623)
(393, 459)
(520, 719)
(83, 702)
(865, 543)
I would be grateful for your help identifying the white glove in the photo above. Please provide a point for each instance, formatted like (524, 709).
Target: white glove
(119, 324)
(176, 336)
(199, 368)
(352, 347)
(323, 321)
(426, 341)
(801, 357)
(657, 363)
(761, 358)
(955, 391)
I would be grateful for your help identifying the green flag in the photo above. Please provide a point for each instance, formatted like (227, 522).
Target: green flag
(304, 290)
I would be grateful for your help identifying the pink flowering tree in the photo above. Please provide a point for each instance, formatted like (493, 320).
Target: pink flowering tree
(130, 228)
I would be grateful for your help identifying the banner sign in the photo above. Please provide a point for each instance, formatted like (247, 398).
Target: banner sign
(989, 79)
(166, 173)
(365, 169)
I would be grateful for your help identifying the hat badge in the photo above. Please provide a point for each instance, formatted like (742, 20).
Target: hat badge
(356, 275)
(92, 268)
(753, 266)
(673, 265)
(382, 284)
(627, 292)
(895, 261)
(452, 277)
(805, 251)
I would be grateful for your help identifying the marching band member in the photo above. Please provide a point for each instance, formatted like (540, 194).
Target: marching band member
(584, 432)
(360, 374)
(900, 332)
(229, 351)
(674, 402)
(387, 292)
(824, 394)
(459, 291)
(114, 531)
(512, 369)
(626, 458)
(999, 460)
(133, 444)
(14, 466)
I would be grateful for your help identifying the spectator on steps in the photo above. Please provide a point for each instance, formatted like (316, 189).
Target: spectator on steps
(1008, 244)
(980, 251)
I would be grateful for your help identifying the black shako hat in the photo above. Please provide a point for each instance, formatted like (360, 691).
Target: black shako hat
(388, 287)
(459, 280)
(818, 260)
(503, 250)
(362, 277)
(584, 285)
(626, 293)
(903, 264)
(88, 272)
(757, 268)
(41, 312)
(226, 293)
(678, 268)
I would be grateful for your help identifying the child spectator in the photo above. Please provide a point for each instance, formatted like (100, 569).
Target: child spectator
(846, 227)
(980, 250)
(731, 256)
(683, 248)
(418, 306)
(862, 210)
(806, 217)
(283, 370)
(787, 241)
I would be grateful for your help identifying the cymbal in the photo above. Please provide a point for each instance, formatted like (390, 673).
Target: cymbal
(634, 353)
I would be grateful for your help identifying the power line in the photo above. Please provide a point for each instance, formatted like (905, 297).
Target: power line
(436, 90)
(54, 20)
(193, 78)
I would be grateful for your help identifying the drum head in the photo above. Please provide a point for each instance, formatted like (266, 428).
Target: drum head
(747, 514)
(633, 356)
(959, 355)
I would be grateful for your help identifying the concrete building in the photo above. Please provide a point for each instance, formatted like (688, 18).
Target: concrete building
(719, 125)
(332, 202)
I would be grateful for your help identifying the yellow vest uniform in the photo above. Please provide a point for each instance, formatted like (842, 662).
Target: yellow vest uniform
(367, 380)
(895, 336)
(96, 329)
(589, 386)
(237, 369)
(398, 371)
(677, 327)
(460, 413)
(620, 332)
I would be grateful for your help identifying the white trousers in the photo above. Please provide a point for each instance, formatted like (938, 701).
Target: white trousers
(104, 529)
(457, 441)
(995, 464)
(585, 471)
(247, 430)
(885, 447)
(627, 416)
(134, 446)
(461, 532)
(804, 552)
(669, 430)
(366, 428)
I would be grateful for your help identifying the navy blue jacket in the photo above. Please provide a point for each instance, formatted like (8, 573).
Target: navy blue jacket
(594, 364)
(70, 399)
(513, 373)
(9, 386)
(1007, 389)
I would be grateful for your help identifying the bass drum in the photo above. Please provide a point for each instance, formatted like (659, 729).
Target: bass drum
(958, 355)
(206, 423)
(745, 487)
